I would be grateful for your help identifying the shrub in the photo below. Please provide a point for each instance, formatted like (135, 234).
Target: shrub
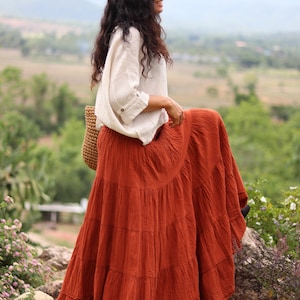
(275, 221)
(273, 273)
(267, 273)
(20, 269)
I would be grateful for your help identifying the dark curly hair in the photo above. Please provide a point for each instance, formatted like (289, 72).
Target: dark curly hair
(124, 14)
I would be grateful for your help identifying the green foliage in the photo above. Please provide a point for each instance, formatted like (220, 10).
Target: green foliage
(27, 169)
(262, 215)
(280, 50)
(64, 104)
(212, 91)
(73, 177)
(276, 220)
(249, 120)
(12, 89)
(38, 98)
(288, 219)
(222, 71)
(292, 145)
(48, 45)
(10, 38)
(283, 112)
(250, 86)
(20, 269)
(264, 148)
(276, 271)
(41, 90)
(21, 175)
(247, 57)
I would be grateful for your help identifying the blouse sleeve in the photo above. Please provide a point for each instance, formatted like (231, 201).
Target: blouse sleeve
(126, 100)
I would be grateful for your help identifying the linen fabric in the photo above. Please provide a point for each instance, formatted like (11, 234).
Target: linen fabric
(163, 220)
(124, 91)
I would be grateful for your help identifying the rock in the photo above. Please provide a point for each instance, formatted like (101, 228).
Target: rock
(56, 257)
(38, 295)
(257, 267)
(52, 288)
(253, 242)
(262, 272)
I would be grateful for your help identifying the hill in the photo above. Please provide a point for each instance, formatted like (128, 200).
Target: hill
(81, 11)
(234, 15)
(209, 16)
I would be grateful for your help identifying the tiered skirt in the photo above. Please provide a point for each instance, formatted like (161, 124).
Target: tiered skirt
(163, 220)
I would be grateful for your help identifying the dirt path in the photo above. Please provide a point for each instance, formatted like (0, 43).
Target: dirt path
(48, 234)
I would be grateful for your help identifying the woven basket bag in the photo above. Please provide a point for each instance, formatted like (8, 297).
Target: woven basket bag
(89, 146)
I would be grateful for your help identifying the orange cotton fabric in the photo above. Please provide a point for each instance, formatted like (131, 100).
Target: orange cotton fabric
(163, 220)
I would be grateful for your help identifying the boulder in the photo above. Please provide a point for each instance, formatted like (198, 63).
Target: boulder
(38, 295)
(257, 267)
(52, 288)
(263, 272)
(56, 257)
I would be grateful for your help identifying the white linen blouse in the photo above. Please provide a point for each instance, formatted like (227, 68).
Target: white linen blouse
(123, 92)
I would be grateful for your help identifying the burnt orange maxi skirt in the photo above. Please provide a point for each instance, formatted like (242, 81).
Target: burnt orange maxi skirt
(163, 220)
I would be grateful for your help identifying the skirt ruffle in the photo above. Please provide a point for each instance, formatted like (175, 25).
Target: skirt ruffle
(162, 219)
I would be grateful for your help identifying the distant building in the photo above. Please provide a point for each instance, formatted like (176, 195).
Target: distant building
(241, 44)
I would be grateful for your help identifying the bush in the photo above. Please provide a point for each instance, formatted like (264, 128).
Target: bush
(25, 167)
(20, 269)
(273, 272)
(267, 273)
(276, 221)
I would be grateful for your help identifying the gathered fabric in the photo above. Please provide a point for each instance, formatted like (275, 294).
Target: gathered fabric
(163, 220)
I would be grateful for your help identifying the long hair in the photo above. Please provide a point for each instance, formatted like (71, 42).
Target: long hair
(124, 14)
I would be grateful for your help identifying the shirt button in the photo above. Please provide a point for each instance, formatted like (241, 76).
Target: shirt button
(122, 109)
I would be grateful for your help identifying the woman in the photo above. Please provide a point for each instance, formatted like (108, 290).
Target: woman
(163, 218)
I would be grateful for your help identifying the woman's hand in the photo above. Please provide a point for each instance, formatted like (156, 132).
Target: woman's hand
(173, 109)
(175, 113)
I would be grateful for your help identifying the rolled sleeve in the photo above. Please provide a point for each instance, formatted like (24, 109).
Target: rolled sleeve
(133, 108)
(126, 99)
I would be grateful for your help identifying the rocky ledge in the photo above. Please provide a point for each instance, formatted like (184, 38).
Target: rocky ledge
(261, 272)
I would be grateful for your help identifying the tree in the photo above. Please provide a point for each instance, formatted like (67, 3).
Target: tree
(250, 86)
(73, 177)
(40, 89)
(248, 57)
(40, 110)
(9, 38)
(12, 89)
(257, 144)
(23, 166)
(293, 139)
(64, 103)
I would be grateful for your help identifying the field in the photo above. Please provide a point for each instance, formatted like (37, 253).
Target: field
(74, 73)
(192, 85)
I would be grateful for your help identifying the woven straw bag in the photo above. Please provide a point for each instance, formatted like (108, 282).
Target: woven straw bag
(89, 146)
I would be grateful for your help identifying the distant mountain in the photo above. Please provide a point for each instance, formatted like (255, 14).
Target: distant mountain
(52, 10)
(234, 15)
(203, 15)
